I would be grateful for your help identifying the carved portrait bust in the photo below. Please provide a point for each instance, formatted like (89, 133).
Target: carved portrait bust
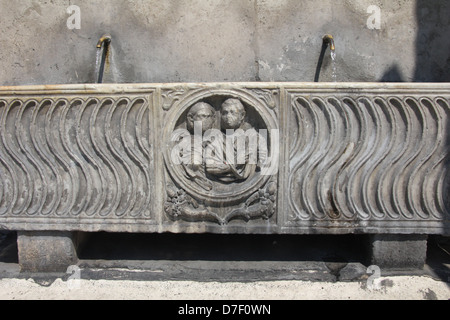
(234, 156)
(224, 153)
(217, 146)
(217, 143)
(202, 113)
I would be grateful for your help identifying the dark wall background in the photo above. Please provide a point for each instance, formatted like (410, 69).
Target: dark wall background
(432, 46)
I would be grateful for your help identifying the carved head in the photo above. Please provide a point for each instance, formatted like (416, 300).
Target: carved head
(201, 112)
(232, 114)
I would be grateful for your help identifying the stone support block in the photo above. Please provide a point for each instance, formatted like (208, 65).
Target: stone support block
(393, 251)
(46, 251)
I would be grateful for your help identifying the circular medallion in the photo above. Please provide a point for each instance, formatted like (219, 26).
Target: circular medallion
(216, 144)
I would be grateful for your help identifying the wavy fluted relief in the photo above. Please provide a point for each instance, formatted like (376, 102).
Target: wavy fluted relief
(369, 158)
(84, 157)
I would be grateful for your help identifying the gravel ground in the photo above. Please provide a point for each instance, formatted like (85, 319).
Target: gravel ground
(121, 267)
(398, 288)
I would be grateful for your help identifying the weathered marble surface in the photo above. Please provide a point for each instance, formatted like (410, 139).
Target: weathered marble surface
(351, 158)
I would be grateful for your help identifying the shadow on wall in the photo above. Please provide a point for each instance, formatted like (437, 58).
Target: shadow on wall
(433, 62)
(432, 44)
(393, 74)
(433, 41)
(432, 65)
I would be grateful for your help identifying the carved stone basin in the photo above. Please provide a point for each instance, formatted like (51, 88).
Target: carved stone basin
(292, 158)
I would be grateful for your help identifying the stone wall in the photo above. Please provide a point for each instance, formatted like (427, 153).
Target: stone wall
(218, 40)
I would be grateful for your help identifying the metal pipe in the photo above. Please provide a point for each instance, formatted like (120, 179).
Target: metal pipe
(104, 39)
(103, 48)
(328, 39)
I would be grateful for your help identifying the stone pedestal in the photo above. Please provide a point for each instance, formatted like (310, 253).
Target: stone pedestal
(392, 251)
(46, 251)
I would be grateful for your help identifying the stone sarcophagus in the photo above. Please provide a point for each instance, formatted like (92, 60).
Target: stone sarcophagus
(297, 158)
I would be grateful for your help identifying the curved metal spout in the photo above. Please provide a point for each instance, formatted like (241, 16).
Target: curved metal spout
(103, 52)
(105, 39)
(328, 39)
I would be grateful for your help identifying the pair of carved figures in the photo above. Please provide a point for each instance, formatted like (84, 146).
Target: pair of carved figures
(219, 149)
(231, 154)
